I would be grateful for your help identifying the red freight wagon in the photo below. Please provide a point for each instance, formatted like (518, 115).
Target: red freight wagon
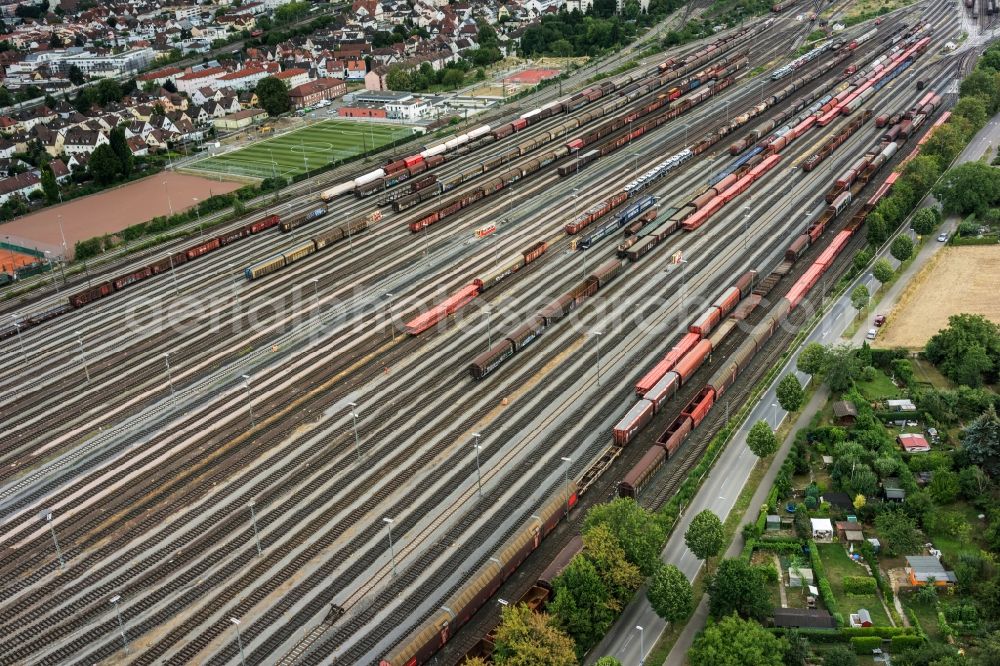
(461, 297)
(636, 419)
(422, 322)
(123, 281)
(265, 223)
(561, 561)
(234, 235)
(704, 324)
(675, 434)
(656, 373)
(693, 360)
(204, 248)
(663, 390)
(698, 408)
(92, 294)
(639, 476)
(746, 282)
(412, 160)
(683, 346)
(607, 271)
(395, 167)
(727, 301)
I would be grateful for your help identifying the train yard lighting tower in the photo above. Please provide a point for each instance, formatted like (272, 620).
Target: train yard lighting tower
(83, 356)
(746, 226)
(566, 480)
(20, 342)
(239, 639)
(246, 384)
(173, 275)
(392, 552)
(479, 474)
(236, 293)
(121, 626)
(642, 652)
(48, 260)
(170, 379)
(170, 204)
(256, 534)
(489, 329)
(52, 529)
(315, 282)
(598, 334)
(392, 326)
(686, 127)
(357, 440)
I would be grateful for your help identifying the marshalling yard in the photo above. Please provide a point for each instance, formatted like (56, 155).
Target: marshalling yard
(332, 431)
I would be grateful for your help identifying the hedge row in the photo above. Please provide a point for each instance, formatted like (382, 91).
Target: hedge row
(901, 643)
(825, 591)
(883, 632)
(865, 644)
(860, 585)
(915, 622)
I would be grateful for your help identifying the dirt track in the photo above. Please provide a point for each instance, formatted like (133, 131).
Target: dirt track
(111, 211)
(958, 279)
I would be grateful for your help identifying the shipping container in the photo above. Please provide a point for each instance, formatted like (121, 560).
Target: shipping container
(633, 421)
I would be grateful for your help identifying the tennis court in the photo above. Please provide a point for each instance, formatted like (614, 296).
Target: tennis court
(303, 149)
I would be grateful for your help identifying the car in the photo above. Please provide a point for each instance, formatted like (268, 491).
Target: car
(942, 238)
(872, 332)
(879, 320)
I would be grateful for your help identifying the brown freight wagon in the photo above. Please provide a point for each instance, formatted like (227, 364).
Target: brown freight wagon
(640, 475)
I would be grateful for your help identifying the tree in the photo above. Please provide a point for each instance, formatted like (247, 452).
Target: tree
(882, 270)
(812, 359)
(925, 221)
(619, 576)
(670, 594)
(6, 99)
(988, 649)
(859, 298)
(859, 501)
(971, 187)
(842, 368)
(968, 351)
(761, 440)
(840, 655)
(170, 86)
(108, 90)
(798, 649)
(878, 228)
(705, 535)
(901, 248)
(398, 78)
(789, 392)
(124, 154)
(637, 531)
(104, 165)
(973, 482)
(49, 185)
(273, 96)
(928, 654)
(981, 442)
(525, 638)
(606, 661)
(735, 642)
(452, 78)
(738, 587)
(580, 607)
(899, 532)
(944, 486)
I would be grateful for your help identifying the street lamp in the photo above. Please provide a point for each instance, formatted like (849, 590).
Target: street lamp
(357, 441)
(566, 479)
(121, 627)
(598, 334)
(197, 212)
(20, 342)
(239, 639)
(246, 383)
(391, 325)
(55, 541)
(170, 379)
(642, 652)
(48, 260)
(256, 534)
(392, 552)
(479, 474)
(489, 331)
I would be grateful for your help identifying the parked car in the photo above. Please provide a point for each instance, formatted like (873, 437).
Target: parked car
(942, 238)
(872, 332)
(879, 320)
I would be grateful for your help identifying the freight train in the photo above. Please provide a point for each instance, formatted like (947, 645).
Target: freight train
(305, 248)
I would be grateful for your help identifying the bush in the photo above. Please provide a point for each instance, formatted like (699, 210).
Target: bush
(901, 643)
(865, 644)
(859, 585)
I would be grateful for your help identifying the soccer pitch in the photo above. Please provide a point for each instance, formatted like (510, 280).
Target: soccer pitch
(303, 149)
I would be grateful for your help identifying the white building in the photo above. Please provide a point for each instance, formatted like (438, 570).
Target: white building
(243, 79)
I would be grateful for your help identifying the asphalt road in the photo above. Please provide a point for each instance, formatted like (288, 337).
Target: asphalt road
(726, 480)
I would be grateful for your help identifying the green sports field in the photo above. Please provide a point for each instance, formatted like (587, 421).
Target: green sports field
(303, 149)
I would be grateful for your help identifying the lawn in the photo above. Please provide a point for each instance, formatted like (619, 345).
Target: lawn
(956, 529)
(879, 388)
(925, 371)
(297, 151)
(926, 615)
(838, 565)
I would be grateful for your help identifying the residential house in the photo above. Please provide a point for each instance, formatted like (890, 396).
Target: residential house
(137, 146)
(192, 81)
(375, 79)
(158, 140)
(59, 170)
(243, 79)
(7, 148)
(204, 94)
(293, 77)
(51, 140)
(83, 141)
(922, 568)
(22, 184)
(308, 94)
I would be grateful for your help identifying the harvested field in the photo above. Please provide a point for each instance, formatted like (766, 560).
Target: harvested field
(958, 279)
(111, 211)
